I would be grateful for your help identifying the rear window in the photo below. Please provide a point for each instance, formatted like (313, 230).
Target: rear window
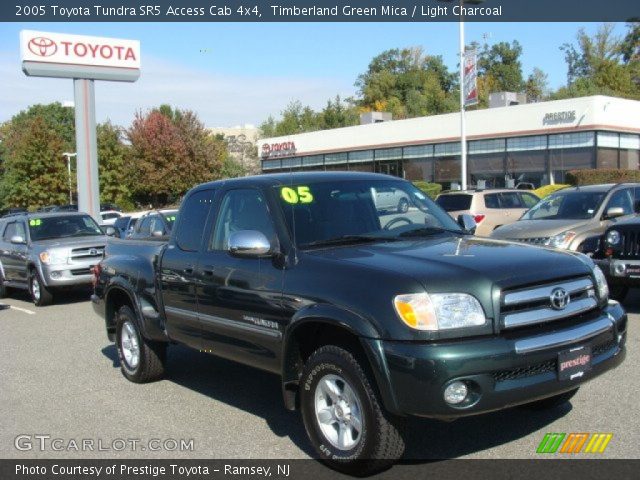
(455, 202)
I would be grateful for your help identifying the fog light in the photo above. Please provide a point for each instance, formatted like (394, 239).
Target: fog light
(55, 274)
(620, 268)
(455, 393)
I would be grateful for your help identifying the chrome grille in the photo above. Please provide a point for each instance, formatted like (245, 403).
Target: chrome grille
(528, 306)
(532, 240)
(630, 241)
(87, 252)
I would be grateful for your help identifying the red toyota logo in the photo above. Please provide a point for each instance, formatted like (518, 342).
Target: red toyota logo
(42, 46)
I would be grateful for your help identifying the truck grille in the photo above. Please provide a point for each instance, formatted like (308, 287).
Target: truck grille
(532, 240)
(86, 253)
(630, 244)
(532, 305)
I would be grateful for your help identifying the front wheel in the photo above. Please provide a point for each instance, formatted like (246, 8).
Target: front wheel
(40, 294)
(345, 422)
(141, 360)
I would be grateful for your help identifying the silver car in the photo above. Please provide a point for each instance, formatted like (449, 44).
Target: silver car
(390, 199)
(570, 216)
(45, 252)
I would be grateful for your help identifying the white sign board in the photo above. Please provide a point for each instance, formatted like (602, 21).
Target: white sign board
(79, 56)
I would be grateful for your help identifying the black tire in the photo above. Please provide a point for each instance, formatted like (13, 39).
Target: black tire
(149, 366)
(379, 443)
(3, 289)
(552, 402)
(403, 205)
(40, 295)
(618, 292)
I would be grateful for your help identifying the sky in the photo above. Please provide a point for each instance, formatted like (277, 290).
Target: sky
(240, 73)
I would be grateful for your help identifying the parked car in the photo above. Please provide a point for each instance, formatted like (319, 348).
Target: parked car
(109, 217)
(618, 256)
(568, 217)
(125, 224)
(366, 317)
(489, 208)
(72, 207)
(110, 206)
(12, 211)
(388, 199)
(154, 224)
(46, 252)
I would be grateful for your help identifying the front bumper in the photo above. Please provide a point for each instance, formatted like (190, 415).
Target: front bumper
(501, 371)
(620, 271)
(68, 275)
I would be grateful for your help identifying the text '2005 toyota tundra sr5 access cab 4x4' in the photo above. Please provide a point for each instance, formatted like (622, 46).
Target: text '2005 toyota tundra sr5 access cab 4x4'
(367, 315)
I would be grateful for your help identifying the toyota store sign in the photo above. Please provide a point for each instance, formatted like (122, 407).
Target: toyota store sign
(78, 56)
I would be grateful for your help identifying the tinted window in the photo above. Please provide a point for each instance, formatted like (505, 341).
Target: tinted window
(621, 199)
(63, 227)
(14, 228)
(454, 202)
(510, 200)
(244, 209)
(170, 218)
(529, 200)
(491, 201)
(193, 218)
(574, 204)
(109, 216)
(144, 228)
(636, 200)
(122, 223)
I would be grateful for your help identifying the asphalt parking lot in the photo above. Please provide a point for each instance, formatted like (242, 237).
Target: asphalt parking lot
(60, 377)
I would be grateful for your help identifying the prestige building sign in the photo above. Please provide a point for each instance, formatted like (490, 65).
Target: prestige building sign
(79, 56)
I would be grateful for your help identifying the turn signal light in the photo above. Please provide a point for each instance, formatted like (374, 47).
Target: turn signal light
(478, 218)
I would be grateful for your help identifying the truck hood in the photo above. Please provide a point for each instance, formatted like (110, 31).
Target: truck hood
(455, 264)
(537, 228)
(73, 242)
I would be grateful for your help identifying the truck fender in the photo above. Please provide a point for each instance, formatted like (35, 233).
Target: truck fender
(351, 322)
(146, 317)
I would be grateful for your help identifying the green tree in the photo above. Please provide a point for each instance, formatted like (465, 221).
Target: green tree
(500, 68)
(115, 180)
(537, 86)
(295, 118)
(338, 114)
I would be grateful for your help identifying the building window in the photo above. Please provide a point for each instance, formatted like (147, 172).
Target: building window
(418, 151)
(519, 144)
(446, 149)
(528, 167)
(563, 160)
(607, 157)
(312, 160)
(629, 151)
(389, 154)
(487, 146)
(361, 156)
(571, 140)
(270, 164)
(419, 169)
(488, 167)
(291, 162)
(447, 170)
(608, 140)
(332, 158)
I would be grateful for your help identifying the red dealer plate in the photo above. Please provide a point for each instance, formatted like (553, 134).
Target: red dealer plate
(574, 363)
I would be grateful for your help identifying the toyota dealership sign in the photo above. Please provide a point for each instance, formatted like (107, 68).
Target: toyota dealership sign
(79, 56)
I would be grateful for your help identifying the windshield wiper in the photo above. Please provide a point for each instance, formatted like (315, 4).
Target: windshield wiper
(426, 231)
(348, 239)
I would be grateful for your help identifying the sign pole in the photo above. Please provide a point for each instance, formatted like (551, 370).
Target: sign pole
(86, 147)
(463, 133)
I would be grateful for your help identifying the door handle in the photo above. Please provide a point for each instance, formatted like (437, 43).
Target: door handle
(188, 269)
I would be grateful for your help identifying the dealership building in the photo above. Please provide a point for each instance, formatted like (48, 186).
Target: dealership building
(533, 143)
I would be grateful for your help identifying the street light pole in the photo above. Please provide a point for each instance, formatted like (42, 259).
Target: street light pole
(463, 130)
(68, 156)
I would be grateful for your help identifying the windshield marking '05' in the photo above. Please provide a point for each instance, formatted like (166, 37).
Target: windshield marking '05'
(574, 205)
(322, 211)
(62, 227)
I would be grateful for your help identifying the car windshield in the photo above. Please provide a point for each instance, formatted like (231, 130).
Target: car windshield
(329, 212)
(571, 205)
(62, 227)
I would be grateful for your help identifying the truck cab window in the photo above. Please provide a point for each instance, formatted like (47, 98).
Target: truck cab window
(192, 220)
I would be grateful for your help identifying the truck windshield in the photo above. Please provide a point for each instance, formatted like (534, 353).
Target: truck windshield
(63, 226)
(573, 205)
(330, 213)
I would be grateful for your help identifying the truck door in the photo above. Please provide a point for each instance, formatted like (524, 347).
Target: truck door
(178, 270)
(14, 256)
(239, 299)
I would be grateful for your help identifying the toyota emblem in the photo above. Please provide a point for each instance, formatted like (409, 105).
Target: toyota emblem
(42, 46)
(93, 252)
(559, 298)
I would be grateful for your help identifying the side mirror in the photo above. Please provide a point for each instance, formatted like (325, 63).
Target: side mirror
(110, 231)
(157, 233)
(614, 212)
(249, 243)
(18, 240)
(467, 222)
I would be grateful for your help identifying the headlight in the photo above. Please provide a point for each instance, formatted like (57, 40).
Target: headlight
(601, 283)
(562, 240)
(613, 237)
(53, 257)
(439, 311)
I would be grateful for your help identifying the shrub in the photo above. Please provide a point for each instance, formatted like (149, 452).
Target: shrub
(431, 189)
(548, 189)
(596, 176)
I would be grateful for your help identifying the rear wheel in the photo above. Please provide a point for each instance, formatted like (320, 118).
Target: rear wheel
(345, 422)
(40, 294)
(618, 292)
(141, 360)
(552, 402)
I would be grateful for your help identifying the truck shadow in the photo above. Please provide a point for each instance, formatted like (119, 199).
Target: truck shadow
(258, 393)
